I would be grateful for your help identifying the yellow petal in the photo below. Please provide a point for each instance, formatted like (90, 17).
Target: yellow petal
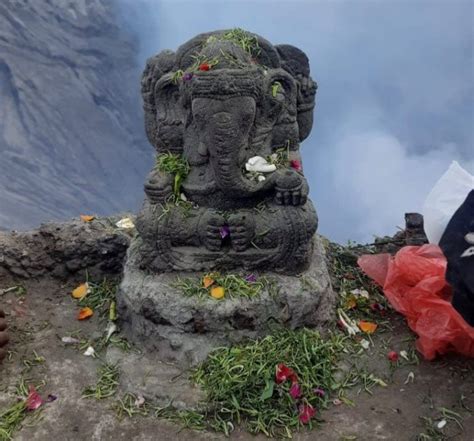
(217, 292)
(85, 313)
(87, 218)
(367, 327)
(207, 281)
(351, 302)
(80, 291)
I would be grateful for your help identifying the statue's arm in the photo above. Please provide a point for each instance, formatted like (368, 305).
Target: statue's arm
(159, 186)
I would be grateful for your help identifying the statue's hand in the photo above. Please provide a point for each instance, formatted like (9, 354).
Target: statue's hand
(291, 188)
(158, 186)
(307, 89)
(3, 335)
(242, 229)
(209, 228)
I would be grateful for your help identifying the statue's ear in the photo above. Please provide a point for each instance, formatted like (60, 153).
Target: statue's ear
(278, 99)
(163, 112)
(169, 114)
(281, 95)
(296, 63)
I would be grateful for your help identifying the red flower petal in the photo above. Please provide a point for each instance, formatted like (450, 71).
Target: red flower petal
(34, 399)
(294, 163)
(306, 413)
(284, 373)
(295, 391)
(392, 356)
(204, 67)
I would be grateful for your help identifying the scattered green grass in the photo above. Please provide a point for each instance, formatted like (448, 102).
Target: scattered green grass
(189, 419)
(176, 165)
(240, 387)
(177, 76)
(350, 282)
(107, 383)
(29, 363)
(100, 297)
(12, 418)
(235, 286)
(247, 41)
(126, 406)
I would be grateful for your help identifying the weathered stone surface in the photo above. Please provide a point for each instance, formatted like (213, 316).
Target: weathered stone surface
(162, 383)
(413, 234)
(159, 316)
(64, 249)
(223, 102)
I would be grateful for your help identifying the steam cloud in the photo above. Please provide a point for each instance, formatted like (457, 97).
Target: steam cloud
(395, 99)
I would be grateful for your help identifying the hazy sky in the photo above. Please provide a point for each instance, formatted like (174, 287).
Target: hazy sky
(395, 99)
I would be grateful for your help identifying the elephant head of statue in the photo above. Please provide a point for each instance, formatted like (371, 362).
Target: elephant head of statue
(225, 97)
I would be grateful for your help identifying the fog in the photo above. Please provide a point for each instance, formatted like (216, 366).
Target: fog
(395, 99)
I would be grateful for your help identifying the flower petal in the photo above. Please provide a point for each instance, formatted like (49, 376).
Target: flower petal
(126, 223)
(85, 313)
(34, 400)
(284, 373)
(207, 281)
(306, 413)
(295, 391)
(217, 292)
(81, 291)
(392, 356)
(87, 218)
(319, 392)
(224, 231)
(251, 278)
(295, 164)
(367, 327)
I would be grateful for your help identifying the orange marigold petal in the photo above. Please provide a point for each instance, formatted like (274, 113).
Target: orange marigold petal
(217, 292)
(87, 218)
(207, 281)
(85, 313)
(80, 291)
(367, 327)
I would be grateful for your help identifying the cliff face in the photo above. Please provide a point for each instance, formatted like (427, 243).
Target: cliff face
(71, 131)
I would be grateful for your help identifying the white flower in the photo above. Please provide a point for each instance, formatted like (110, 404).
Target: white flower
(70, 340)
(126, 223)
(90, 352)
(260, 165)
(360, 292)
(350, 325)
(111, 328)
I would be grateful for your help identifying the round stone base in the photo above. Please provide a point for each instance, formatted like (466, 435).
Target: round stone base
(157, 315)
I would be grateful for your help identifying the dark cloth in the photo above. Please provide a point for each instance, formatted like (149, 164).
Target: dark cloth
(460, 271)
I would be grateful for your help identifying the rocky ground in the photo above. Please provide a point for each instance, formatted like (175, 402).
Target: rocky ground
(416, 396)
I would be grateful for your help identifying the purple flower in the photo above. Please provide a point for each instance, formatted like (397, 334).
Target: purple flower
(251, 278)
(188, 76)
(319, 392)
(224, 231)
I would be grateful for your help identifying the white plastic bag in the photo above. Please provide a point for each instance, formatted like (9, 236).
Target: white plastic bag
(444, 199)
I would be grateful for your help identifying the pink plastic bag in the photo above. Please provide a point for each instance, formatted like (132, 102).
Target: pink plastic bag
(414, 283)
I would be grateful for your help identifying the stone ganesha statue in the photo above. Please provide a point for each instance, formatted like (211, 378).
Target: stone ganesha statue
(231, 110)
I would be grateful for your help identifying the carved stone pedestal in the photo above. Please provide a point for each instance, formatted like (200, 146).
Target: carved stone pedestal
(157, 315)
